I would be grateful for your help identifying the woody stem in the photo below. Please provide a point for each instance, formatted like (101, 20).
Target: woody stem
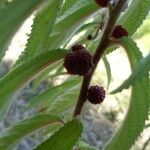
(103, 44)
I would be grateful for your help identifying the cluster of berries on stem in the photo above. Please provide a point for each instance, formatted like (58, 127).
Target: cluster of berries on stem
(80, 62)
(96, 94)
(102, 3)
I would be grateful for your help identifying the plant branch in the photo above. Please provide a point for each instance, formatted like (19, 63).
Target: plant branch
(146, 144)
(104, 43)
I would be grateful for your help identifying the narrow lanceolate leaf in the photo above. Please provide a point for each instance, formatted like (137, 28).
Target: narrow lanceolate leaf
(65, 138)
(68, 23)
(67, 5)
(44, 75)
(108, 70)
(64, 102)
(51, 94)
(84, 146)
(23, 73)
(11, 18)
(134, 15)
(75, 14)
(137, 114)
(41, 29)
(19, 130)
(140, 72)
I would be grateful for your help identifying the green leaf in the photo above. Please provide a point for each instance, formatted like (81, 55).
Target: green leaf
(51, 94)
(68, 23)
(64, 102)
(41, 29)
(87, 26)
(12, 16)
(137, 114)
(144, 29)
(44, 75)
(51, 129)
(67, 5)
(75, 15)
(23, 73)
(60, 69)
(134, 15)
(108, 70)
(85, 30)
(19, 130)
(140, 72)
(84, 146)
(87, 148)
(65, 138)
(55, 40)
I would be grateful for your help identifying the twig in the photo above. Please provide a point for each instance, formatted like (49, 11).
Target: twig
(146, 144)
(104, 43)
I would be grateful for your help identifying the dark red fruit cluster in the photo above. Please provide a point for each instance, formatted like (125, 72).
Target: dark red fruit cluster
(119, 32)
(77, 47)
(96, 94)
(78, 62)
(102, 3)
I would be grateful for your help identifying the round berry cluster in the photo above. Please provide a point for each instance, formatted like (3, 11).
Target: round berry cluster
(78, 61)
(77, 47)
(96, 94)
(102, 3)
(119, 32)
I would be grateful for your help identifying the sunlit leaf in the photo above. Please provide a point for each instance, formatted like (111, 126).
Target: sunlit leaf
(41, 29)
(134, 15)
(12, 16)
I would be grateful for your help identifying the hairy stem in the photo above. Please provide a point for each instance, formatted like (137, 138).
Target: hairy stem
(104, 43)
